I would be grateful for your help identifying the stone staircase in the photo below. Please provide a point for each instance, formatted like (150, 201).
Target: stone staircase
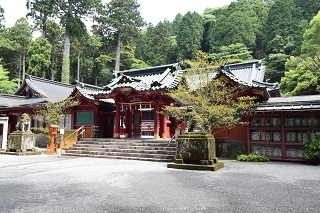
(130, 149)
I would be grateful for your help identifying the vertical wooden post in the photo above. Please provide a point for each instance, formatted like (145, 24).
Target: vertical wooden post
(248, 135)
(156, 120)
(164, 126)
(117, 127)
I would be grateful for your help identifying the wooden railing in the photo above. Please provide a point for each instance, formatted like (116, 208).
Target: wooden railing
(71, 137)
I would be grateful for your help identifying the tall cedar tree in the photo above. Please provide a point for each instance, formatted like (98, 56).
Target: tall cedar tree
(190, 35)
(121, 18)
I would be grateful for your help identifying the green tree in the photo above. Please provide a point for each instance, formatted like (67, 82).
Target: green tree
(158, 44)
(311, 42)
(9, 51)
(52, 113)
(206, 102)
(41, 11)
(302, 74)
(73, 11)
(39, 55)
(70, 13)
(2, 19)
(21, 35)
(311, 149)
(275, 67)
(121, 18)
(308, 8)
(233, 53)
(54, 34)
(7, 86)
(190, 35)
(282, 21)
(298, 78)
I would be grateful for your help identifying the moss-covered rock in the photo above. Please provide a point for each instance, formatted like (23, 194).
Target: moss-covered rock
(195, 148)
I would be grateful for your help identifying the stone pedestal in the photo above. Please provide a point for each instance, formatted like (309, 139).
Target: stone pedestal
(195, 148)
(196, 151)
(19, 141)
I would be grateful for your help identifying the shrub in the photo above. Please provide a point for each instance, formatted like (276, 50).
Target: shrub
(311, 150)
(252, 158)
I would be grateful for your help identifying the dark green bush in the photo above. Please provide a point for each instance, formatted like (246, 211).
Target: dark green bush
(252, 158)
(311, 150)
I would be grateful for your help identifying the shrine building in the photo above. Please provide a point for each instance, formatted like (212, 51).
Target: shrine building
(131, 106)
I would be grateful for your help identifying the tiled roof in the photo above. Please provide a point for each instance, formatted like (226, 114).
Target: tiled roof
(7, 101)
(47, 91)
(87, 90)
(307, 102)
(52, 91)
(147, 79)
(248, 73)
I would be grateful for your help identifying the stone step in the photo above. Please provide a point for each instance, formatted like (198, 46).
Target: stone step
(106, 143)
(142, 147)
(122, 153)
(131, 149)
(158, 157)
(119, 157)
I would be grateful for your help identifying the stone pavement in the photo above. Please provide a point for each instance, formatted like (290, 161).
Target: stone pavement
(55, 183)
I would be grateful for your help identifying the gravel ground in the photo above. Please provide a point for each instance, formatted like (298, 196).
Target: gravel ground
(46, 183)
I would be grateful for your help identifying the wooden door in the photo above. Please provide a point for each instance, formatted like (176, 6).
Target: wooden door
(136, 124)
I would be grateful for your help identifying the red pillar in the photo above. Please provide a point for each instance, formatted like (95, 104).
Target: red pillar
(117, 127)
(248, 135)
(164, 126)
(156, 121)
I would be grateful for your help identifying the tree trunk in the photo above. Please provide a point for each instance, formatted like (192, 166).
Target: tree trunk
(23, 65)
(52, 68)
(20, 65)
(78, 68)
(65, 74)
(117, 66)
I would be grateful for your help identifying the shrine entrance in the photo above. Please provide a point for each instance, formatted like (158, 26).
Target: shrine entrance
(147, 123)
(143, 123)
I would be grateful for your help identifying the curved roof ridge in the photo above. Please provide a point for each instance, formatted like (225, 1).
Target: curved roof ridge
(32, 78)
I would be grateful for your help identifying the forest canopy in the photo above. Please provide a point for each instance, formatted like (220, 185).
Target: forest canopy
(282, 33)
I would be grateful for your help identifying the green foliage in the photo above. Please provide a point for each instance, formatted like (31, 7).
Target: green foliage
(275, 66)
(311, 38)
(262, 26)
(252, 158)
(39, 57)
(21, 35)
(41, 11)
(298, 79)
(282, 21)
(207, 102)
(311, 150)
(234, 52)
(190, 35)
(302, 75)
(7, 86)
(52, 113)
(158, 44)
(122, 19)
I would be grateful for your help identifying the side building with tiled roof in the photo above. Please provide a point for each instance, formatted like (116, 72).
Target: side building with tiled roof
(35, 91)
(279, 126)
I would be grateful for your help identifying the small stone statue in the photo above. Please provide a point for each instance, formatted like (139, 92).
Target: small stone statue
(24, 123)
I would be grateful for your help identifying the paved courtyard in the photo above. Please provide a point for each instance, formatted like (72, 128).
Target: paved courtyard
(47, 183)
